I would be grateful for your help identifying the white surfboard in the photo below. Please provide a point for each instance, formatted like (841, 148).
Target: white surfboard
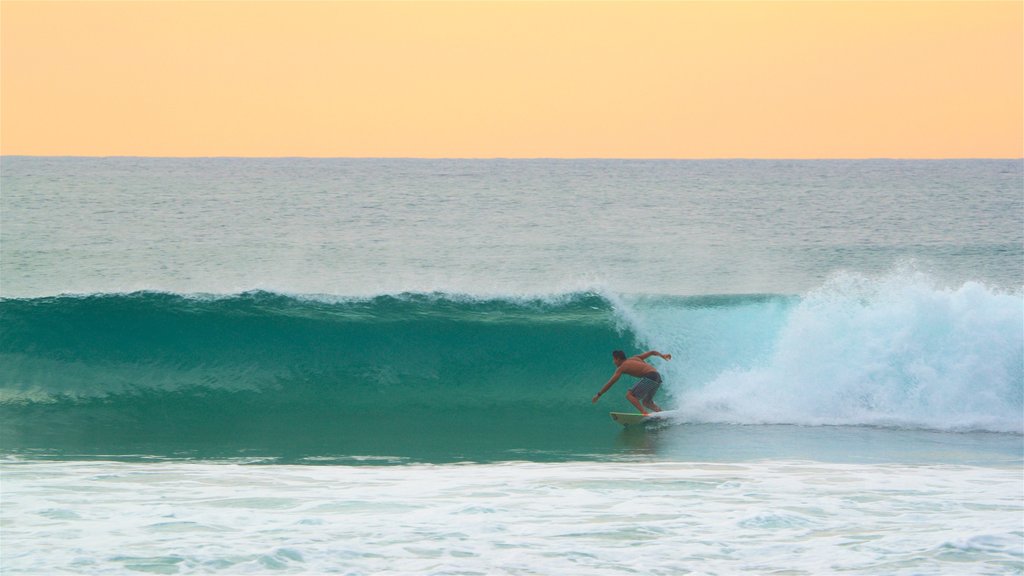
(627, 418)
(632, 418)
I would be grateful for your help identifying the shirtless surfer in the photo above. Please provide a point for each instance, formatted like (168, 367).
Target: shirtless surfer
(642, 393)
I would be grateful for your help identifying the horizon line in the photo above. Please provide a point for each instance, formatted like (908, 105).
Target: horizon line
(514, 158)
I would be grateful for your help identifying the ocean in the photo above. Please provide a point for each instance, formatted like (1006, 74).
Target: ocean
(385, 366)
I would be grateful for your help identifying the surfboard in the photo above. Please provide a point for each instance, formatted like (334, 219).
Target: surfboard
(628, 419)
(632, 418)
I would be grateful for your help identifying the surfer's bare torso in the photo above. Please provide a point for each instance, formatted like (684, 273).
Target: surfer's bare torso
(636, 367)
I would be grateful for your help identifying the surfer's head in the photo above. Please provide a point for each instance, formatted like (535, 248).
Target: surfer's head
(618, 356)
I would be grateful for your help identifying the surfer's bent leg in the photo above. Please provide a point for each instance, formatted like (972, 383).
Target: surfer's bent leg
(635, 402)
(642, 393)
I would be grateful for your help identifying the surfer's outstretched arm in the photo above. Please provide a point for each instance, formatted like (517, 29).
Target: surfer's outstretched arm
(650, 353)
(615, 378)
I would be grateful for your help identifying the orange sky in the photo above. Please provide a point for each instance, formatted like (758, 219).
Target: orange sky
(513, 79)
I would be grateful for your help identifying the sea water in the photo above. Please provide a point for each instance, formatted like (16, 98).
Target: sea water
(365, 366)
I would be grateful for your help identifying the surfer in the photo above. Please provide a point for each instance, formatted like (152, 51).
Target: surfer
(642, 393)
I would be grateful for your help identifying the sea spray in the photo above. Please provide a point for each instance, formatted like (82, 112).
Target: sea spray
(895, 351)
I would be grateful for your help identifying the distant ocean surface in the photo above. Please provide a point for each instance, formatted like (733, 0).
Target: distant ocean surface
(363, 366)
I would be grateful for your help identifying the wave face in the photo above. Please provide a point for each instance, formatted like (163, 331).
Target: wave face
(264, 372)
(442, 377)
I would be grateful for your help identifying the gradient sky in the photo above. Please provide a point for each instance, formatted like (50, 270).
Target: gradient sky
(513, 79)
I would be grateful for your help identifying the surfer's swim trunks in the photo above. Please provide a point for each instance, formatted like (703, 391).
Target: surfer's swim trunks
(646, 387)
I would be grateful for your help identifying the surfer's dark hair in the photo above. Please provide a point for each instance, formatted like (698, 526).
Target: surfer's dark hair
(618, 354)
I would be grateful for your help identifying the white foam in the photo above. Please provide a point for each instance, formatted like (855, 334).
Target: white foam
(569, 518)
(891, 351)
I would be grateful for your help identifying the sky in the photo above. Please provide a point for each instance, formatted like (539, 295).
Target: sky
(513, 79)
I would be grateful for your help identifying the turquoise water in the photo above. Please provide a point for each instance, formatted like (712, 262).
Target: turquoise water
(444, 378)
(386, 366)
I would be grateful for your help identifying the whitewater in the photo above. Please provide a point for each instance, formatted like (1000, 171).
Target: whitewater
(385, 366)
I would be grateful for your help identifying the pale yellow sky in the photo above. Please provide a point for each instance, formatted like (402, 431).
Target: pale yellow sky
(513, 79)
